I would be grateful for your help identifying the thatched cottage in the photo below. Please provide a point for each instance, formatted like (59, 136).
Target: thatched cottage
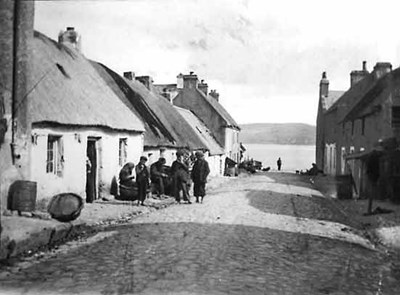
(81, 131)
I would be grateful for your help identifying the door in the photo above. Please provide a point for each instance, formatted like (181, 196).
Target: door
(91, 170)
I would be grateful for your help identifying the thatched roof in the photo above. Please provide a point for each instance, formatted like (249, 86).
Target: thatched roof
(202, 131)
(164, 126)
(67, 90)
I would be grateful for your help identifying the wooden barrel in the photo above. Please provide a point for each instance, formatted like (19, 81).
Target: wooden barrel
(22, 196)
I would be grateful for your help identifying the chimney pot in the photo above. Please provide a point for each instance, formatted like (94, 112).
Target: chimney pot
(364, 66)
(324, 86)
(129, 75)
(214, 94)
(203, 87)
(190, 81)
(382, 68)
(146, 81)
(70, 37)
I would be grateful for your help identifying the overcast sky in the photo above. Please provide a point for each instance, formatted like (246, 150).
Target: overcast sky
(265, 58)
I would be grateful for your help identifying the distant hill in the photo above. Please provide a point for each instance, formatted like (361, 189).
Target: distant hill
(274, 133)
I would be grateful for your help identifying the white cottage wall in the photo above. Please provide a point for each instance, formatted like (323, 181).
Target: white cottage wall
(73, 178)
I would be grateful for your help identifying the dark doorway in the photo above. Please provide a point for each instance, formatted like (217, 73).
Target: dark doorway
(91, 170)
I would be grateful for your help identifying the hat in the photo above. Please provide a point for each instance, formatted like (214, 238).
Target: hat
(143, 158)
(199, 154)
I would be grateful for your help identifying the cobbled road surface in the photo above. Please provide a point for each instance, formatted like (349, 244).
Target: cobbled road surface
(263, 234)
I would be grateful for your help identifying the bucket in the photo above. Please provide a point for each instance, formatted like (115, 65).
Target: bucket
(22, 196)
(344, 186)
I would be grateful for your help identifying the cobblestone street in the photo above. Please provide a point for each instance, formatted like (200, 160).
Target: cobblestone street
(262, 234)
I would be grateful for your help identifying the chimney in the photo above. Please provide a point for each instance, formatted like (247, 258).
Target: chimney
(324, 86)
(214, 94)
(179, 81)
(129, 75)
(382, 68)
(357, 76)
(190, 81)
(70, 37)
(146, 81)
(203, 87)
(167, 95)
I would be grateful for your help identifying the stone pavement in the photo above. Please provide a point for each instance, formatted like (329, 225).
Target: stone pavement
(252, 235)
(24, 235)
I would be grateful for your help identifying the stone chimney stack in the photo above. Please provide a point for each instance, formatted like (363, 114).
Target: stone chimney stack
(382, 68)
(324, 86)
(203, 87)
(357, 76)
(70, 37)
(214, 94)
(129, 75)
(146, 81)
(190, 81)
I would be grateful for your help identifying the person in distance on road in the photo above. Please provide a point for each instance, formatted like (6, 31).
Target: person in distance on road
(279, 164)
(199, 176)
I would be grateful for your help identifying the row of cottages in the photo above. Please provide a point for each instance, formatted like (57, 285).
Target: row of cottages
(167, 128)
(88, 121)
(191, 94)
(358, 131)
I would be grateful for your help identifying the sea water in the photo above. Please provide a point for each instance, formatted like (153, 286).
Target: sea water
(294, 157)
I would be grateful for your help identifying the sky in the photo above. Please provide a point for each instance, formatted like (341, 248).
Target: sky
(265, 58)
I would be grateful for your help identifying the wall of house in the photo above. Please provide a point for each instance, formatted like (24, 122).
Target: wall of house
(73, 177)
(193, 100)
(216, 164)
(232, 144)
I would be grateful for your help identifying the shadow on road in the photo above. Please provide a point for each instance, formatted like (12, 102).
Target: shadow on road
(312, 207)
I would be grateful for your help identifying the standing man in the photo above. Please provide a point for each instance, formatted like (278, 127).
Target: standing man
(180, 174)
(279, 163)
(199, 176)
(142, 179)
(158, 176)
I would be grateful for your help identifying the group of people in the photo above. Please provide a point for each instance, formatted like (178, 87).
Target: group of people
(176, 180)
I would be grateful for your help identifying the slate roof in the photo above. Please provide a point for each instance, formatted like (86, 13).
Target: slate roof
(333, 96)
(202, 131)
(370, 94)
(220, 110)
(67, 90)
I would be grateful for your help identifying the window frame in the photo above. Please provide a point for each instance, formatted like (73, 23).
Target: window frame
(55, 155)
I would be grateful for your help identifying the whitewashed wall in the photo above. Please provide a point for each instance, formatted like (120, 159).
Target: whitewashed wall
(153, 154)
(74, 172)
(214, 162)
(232, 145)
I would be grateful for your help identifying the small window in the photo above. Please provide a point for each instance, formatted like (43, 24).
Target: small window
(363, 126)
(123, 143)
(395, 116)
(55, 155)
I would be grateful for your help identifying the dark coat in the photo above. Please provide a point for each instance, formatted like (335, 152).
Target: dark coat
(142, 173)
(180, 171)
(200, 171)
